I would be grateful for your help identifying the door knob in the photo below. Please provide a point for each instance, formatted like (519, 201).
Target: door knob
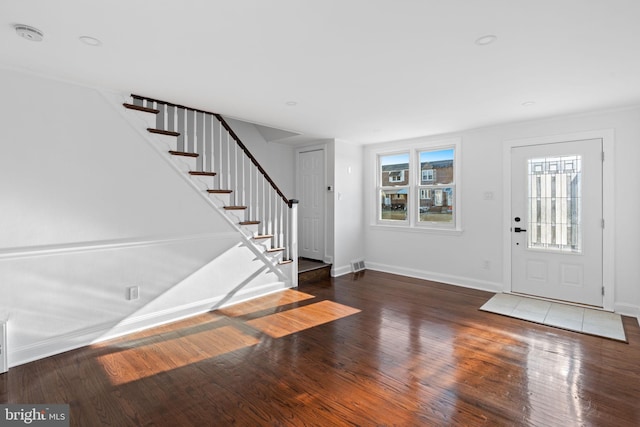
(519, 230)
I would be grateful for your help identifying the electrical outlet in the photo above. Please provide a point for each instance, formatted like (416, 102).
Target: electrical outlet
(486, 265)
(133, 292)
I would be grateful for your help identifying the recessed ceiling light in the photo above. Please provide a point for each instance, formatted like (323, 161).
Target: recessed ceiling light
(528, 104)
(291, 103)
(485, 40)
(91, 41)
(29, 33)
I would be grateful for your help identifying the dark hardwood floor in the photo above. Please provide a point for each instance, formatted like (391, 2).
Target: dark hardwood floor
(376, 350)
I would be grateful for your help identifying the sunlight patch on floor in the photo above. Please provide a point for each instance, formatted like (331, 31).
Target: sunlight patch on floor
(297, 319)
(153, 359)
(172, 346)
(267, 302)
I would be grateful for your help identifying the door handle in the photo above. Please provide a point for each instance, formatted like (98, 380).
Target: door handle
(519, 230)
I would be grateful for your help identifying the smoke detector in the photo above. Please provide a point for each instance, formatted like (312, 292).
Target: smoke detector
(29, 33)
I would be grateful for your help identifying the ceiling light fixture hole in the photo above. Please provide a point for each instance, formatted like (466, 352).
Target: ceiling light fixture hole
(29, 33)
(486, 40)
(91, 41)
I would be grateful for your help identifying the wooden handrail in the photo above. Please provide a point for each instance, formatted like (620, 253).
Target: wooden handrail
(233, 135)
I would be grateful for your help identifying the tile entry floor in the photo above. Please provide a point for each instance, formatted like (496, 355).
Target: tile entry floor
(573, 318)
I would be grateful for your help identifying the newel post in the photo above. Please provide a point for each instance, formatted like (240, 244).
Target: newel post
(293, 211)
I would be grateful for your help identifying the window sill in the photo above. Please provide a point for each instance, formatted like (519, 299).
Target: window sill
(419, 230)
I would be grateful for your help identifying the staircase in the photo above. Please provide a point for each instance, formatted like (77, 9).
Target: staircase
(209, 152)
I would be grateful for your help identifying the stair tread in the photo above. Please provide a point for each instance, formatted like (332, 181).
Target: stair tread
(217, 191)
(202, 173)
(249, 222)
(275, 250)
(141, 108)
(235, 208)
(286, 261)
(183, 153)
(163, 132)
(263, 236)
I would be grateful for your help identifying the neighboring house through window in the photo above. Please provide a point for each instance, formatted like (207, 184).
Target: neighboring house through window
(396, 176)
(428, 175)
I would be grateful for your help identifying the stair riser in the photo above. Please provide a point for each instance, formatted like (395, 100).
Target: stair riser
(236, 215)
(222, 199)
(265, 243)
(275, 256)
(148, 120)
(250, 230)
(314, 275)
(206, 181)
(184, 163)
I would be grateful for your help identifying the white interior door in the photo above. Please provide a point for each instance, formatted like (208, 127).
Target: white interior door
(556, 221)
(311, 204)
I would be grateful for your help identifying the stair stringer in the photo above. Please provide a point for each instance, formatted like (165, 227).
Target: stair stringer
(161, 144)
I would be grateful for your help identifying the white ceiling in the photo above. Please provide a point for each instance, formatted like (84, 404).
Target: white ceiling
(359, 70)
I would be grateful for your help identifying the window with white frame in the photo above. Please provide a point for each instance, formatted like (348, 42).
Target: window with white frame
(393, 188)
(427, 173)
(437, 180)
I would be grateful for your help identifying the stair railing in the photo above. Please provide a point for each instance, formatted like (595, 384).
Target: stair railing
(221, 151)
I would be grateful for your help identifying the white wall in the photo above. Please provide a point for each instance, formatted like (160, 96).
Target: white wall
(460, 258)
(87, 208)
(276, 159)
(348, 203)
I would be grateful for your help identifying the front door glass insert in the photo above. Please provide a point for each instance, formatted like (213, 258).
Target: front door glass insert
(555, 194)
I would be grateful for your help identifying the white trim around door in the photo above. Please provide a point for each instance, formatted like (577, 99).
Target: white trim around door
(608, 200)
(312, 232)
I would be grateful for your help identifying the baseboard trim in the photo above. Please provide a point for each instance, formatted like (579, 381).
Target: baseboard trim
(627, 310)
(620, 308)
(340, 271)
(106, 331)
(465, 282)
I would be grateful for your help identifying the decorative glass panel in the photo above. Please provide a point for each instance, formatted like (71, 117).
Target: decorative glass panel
(555, 190)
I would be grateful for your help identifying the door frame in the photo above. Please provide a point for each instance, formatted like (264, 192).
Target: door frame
(327, 256)
(608, 200)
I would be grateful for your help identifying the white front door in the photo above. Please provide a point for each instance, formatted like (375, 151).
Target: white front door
(311, 205)
(556, 221)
